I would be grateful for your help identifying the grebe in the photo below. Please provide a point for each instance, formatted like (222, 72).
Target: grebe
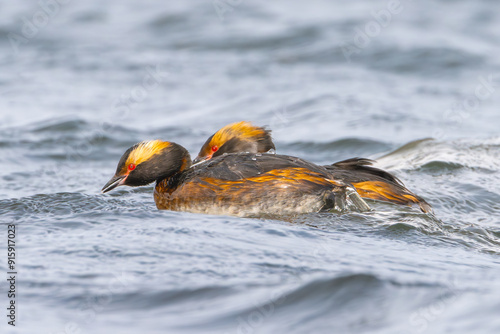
(242, 184)
(370, 182)
(236, 138)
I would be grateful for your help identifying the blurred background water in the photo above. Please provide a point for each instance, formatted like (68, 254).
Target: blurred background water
(413, 84)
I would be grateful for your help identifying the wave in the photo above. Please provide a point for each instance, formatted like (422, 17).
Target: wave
(343, 303)
(433, 155)
(65, 204)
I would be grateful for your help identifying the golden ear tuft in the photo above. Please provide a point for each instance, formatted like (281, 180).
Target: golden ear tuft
(145, 150)
(244, 130)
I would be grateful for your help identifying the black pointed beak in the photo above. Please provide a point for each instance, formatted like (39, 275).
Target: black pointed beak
(113, 183)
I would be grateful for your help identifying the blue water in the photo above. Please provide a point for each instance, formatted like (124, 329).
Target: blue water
(415, 86)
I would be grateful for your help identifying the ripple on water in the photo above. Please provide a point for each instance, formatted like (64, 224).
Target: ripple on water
(114, 263)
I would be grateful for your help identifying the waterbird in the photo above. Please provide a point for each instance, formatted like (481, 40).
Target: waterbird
(240, 184)
(370, 182)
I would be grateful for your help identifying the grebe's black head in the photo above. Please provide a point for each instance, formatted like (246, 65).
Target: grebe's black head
(236, 138)
(148, 161)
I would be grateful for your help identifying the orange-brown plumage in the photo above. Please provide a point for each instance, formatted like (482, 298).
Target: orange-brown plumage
(375, 183)
(384, 191)
(370, 182)
(235, 184)
(250, 185)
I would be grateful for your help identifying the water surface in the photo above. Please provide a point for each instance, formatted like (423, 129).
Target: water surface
(421, 97)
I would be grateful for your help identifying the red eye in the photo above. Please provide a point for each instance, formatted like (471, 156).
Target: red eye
(214, 148)
(131, 167)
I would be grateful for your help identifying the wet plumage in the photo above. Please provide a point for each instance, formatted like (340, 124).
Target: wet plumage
(370, 182)
(241, 184)
(375, 183)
